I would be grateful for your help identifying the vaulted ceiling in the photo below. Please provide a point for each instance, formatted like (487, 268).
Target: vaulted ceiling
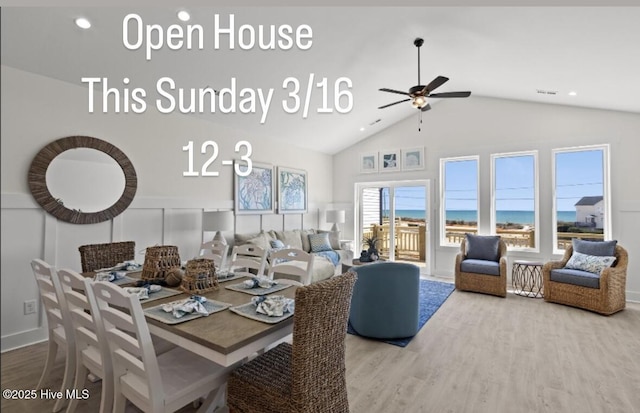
(531, 54)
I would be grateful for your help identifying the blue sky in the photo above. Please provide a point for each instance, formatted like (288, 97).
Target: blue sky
(578, 174)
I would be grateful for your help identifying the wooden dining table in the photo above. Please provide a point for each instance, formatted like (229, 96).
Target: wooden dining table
(224, 337)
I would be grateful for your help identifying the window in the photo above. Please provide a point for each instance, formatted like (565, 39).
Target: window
(514, 190)
(459, 198)
(581, 207)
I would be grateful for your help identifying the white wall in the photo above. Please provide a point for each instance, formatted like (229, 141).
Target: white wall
(167, 208)
(482, 126)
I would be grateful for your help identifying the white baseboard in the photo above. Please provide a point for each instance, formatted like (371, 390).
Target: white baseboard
(23, 339)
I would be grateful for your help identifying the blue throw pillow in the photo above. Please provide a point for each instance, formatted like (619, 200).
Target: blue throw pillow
(483, 247)
(597, 248)
(320, 242)
(276, 243)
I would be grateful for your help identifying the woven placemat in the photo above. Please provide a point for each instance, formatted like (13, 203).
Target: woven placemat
(157, 313)
(249, 310)
(258, 290)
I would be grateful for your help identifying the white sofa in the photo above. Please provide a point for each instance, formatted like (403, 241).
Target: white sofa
(323, 267)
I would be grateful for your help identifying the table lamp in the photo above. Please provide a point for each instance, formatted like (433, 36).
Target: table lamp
(335, 216)
(217, 221)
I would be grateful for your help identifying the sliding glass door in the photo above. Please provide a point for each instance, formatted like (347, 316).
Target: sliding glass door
(397, 214)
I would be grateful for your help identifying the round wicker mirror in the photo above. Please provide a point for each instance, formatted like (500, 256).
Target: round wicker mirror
(38, 180)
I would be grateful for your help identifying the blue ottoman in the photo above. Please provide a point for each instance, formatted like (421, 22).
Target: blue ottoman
(385, 302)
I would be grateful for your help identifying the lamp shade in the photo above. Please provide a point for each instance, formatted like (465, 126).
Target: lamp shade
(217, 221)
(336, 216)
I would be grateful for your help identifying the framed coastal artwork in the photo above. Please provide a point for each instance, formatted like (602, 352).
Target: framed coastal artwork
(292, 190)
(390, 161)
(369, 162)
(412, 159)
(254, 193)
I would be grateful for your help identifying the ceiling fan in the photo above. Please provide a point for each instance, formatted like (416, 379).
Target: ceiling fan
(420, 93)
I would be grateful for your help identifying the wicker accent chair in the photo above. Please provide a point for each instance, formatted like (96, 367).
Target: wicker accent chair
(609, 298)
(494, 284)
(98, 256)
(308, 376)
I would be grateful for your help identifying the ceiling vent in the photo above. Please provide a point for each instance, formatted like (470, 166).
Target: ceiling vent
(374, 122)
(546, 92)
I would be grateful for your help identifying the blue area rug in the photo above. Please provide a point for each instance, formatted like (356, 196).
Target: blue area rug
(432, 295)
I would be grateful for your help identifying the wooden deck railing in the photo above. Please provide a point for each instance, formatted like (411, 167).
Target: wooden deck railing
(410, 238)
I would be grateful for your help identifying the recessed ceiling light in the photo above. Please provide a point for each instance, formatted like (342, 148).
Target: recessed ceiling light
(184, 15)
(83, 23)
(362, 129)
(573, 93)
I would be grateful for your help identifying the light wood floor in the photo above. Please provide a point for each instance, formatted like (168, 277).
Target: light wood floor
(478, 353)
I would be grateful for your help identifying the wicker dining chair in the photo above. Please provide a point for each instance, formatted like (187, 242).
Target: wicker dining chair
(308, 375)
(98, 256)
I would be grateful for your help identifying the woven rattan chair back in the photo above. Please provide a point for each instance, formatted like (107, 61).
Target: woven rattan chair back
(318, 352)
(97, 256)
(308, 376)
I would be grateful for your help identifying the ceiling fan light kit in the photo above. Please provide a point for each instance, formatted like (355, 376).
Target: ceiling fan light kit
(419, 94)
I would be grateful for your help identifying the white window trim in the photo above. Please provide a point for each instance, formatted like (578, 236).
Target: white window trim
(536, 195)
(443, 213)
(606, 189)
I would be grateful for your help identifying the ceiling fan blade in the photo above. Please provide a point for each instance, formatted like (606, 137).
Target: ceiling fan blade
(451, 95)
(394, 103)
(435, 83)
(426, 107)
(384, 89)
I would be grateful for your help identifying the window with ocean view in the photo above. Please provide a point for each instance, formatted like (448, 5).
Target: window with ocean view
(514, 192)
(581, 195)
(459, 198)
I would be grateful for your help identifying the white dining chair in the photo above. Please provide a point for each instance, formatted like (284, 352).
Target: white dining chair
(92, 353)
(293, 262)
(162, 383)
(215, 250)
(248, 257)
(59, 326)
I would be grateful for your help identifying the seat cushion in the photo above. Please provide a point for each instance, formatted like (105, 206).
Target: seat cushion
(597, 248)
(483, 247)
(480, 267)
(575, 277)
(291, 238)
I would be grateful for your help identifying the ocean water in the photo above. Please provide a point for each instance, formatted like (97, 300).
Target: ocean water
(514, 217)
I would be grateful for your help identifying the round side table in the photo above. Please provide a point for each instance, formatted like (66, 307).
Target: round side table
(526, 278)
